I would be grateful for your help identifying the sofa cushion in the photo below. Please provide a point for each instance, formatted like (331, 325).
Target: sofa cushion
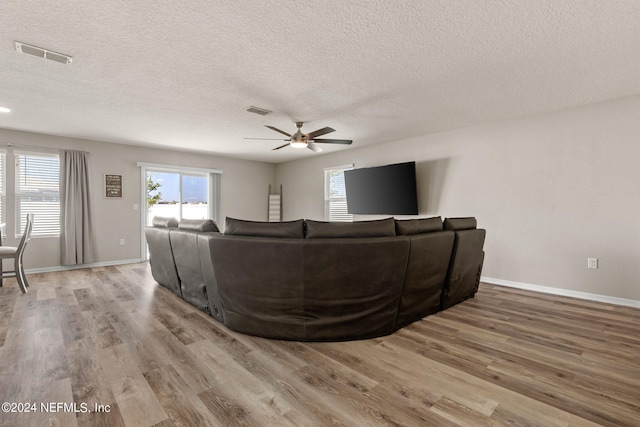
(164, 222)
(377, 228)
(406, 227)
(198, 225)
(454, 224)
(240, 227)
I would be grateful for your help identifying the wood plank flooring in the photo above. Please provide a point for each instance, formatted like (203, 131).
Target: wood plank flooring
(113, 337)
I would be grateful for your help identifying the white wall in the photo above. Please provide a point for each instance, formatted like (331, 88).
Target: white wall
(551, 190)
(244, 192)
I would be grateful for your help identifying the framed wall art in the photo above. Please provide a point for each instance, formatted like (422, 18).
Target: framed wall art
(113, 186)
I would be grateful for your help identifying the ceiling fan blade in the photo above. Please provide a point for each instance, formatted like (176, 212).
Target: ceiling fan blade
(313, 147)
(278, 130)
(333, 141)
(282, 146)
(319, 132)
(270, 139)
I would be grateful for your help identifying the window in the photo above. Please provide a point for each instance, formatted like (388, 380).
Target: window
(38, 191)
(180, 192)
(335, 195)
(177, 194)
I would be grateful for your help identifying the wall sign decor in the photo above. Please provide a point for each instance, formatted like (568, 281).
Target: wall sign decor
(113, 186)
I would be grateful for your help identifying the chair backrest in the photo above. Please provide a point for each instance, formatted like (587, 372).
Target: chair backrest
(26, 235)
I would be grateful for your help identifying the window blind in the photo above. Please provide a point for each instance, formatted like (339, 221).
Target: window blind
(38, 192)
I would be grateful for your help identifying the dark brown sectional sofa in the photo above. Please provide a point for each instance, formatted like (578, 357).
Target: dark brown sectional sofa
(318, 281)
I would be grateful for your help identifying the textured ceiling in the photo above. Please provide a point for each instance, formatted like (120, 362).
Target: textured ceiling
(182, 73)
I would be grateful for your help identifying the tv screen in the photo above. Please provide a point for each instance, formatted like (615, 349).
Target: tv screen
(382, 190)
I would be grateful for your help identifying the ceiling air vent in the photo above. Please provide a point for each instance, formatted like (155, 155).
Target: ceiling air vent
(43, 53)
(258, 110)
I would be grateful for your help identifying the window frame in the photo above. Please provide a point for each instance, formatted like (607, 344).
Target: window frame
(181, 202)
(214, 178)
(328, 200)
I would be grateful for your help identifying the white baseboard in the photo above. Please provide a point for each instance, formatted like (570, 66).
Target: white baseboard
(79, 266)
(563, 292)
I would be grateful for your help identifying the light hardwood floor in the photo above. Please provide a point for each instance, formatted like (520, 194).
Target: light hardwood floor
(112, 336)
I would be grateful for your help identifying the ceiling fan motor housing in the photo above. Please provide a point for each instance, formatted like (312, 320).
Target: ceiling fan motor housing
(298, 139)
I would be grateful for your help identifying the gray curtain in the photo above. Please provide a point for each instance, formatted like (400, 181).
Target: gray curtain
(76, 235)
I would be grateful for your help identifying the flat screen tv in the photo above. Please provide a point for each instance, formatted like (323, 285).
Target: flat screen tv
(382, 190)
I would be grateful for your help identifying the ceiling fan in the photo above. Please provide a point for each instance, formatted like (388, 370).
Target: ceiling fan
(307, 140)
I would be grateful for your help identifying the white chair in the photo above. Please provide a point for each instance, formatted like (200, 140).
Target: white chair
(16, 253)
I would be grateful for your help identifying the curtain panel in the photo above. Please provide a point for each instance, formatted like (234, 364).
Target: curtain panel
(76, 234)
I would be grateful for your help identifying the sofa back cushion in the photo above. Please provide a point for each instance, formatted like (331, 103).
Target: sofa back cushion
(239, 227)
(377, 228)
(407, 227)
(455, 224)
(164, 222)
(198, 225)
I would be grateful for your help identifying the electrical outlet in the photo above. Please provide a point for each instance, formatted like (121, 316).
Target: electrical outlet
(122, 241)
(135, 206)
(592, 262)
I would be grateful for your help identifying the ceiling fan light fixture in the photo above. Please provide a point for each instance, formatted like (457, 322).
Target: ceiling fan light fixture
(298, 144)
